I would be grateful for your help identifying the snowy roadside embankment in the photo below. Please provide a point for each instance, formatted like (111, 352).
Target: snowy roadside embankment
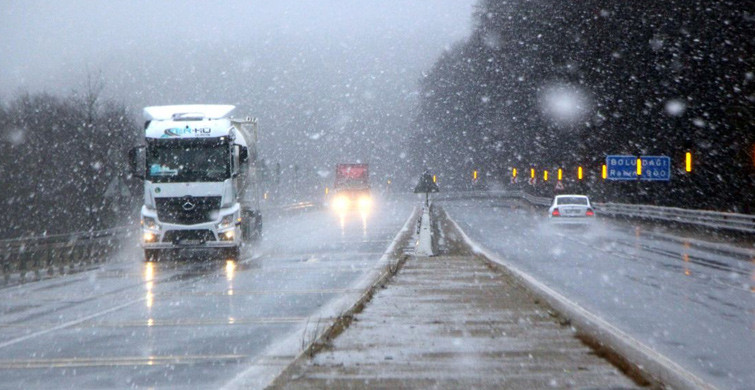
(451, 321)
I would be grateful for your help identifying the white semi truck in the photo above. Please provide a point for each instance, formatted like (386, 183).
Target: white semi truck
(201, 187)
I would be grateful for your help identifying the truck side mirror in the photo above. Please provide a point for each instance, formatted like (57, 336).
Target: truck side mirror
(244, 154)
(236, 163)
(137, 161)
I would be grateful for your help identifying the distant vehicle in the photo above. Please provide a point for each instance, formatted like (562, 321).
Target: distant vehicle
(351, 190)
(571, 210)
(200, 182)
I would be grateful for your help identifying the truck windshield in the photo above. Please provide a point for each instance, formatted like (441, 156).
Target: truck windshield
(188, 161)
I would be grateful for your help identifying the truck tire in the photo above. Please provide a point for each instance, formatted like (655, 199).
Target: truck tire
(257, 226)
(151, 255)
(247, 227)
(252, 227)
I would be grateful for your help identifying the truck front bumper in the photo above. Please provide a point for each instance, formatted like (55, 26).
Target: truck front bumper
(158, 235)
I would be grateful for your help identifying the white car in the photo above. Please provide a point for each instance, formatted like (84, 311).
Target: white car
(571, 210)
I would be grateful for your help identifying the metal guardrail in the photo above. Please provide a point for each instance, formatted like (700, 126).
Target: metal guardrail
(61, 253)
(290, 208)
(743, 223)
(298, 206)
(535, 200)
(712, 219)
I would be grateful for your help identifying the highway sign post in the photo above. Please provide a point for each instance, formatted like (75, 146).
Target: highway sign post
(624, 167)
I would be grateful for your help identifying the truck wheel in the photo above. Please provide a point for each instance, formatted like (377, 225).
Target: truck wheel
(258, 227)
(247, 227)
(151, 255)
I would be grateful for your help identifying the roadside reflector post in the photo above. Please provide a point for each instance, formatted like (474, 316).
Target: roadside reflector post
(426, 185)
(639, 167)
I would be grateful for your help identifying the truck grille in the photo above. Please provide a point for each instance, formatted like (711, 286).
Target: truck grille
(187, 210)
(193, 237)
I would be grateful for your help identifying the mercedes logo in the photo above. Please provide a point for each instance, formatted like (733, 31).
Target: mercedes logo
(188, 204)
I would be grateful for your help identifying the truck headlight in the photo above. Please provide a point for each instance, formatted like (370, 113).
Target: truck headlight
(150, 223)
(341, 203)
(150, 237)
(365, 204)
(227, 236)
(227, 221)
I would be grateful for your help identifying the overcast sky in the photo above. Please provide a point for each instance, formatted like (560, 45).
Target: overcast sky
(48, 44)
(337, 75)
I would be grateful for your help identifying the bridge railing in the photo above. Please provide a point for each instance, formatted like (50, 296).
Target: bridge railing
(61, 253)
(743, 223)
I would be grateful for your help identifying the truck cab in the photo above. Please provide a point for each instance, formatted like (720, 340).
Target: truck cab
(352, 189)
(199, 181)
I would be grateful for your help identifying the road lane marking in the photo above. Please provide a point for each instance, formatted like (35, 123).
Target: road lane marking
(151, 322)
(69, 323)
(326, 256)
(74, 362)
(237, 292)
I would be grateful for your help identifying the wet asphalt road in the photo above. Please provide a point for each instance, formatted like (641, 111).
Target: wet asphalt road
(190, 322)
(688, 301)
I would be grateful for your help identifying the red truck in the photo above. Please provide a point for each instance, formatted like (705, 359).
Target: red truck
(351, 190)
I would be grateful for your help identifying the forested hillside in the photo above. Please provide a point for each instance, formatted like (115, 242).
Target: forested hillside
(554, 84)
(59, 157)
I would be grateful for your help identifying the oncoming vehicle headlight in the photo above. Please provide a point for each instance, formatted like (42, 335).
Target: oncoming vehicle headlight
(227, 221)
(150, 223)
(365, 204)
(341, 203)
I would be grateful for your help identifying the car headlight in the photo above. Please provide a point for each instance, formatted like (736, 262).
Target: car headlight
(150, 223)
(341, 203)
(227, 221)
(365, 204)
